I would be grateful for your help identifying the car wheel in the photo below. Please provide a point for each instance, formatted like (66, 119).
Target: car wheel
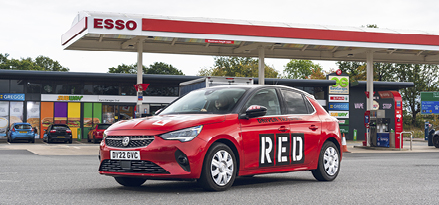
(128, 181)
(219, 168)
(436, 141)
(93, 140)
(9, 140)
(70, 141)
(329, 163)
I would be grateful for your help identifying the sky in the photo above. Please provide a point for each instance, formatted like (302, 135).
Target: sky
(30, 28)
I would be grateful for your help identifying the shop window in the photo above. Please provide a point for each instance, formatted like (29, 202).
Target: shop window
(47, 88)
(309, 90)
(4, 86)
(319, 93)
(127, 89)
(33, 86)
(157, 90)
(98, 90)
(110, 90)
(17, 86)
(108, 112)
(88, 89)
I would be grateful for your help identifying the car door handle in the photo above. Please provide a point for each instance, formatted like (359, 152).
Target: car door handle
(283, 129)
(313, 127)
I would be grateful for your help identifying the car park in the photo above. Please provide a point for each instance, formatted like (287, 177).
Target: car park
(97, 132)
(216, 134)
(58, 133)
(21, 131)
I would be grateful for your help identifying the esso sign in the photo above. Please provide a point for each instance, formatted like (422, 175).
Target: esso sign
(114, 24)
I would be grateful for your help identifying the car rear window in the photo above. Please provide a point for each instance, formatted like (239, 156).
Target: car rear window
(103, 127)
(61, 127)
(23, 127)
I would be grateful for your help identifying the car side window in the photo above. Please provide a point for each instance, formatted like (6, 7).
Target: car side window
(295, 102)
(267, 98)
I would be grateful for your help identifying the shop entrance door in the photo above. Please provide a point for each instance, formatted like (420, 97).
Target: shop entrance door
(114, 113)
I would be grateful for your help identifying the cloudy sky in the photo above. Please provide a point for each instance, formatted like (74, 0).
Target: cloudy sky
(31, 28)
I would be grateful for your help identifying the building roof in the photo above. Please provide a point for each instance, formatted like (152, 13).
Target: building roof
(175, 79)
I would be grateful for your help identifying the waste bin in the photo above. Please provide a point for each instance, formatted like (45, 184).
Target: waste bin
(392, 139)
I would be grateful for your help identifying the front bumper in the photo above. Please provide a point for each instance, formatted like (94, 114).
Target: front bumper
(161, 159)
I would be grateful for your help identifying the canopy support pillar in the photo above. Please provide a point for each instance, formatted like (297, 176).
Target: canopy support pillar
(261, 72)
(139, 76)
(369, 87)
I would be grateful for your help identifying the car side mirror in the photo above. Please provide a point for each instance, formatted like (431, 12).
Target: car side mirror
(256, 111)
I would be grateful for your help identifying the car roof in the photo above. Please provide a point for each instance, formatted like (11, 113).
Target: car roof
(21, 123)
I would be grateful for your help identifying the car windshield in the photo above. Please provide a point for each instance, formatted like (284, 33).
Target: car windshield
(103, 126)
(23, 126)
(209, 101)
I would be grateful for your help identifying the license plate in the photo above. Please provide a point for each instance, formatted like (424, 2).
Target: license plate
(23, 132)
(125, 155)
(61, 137)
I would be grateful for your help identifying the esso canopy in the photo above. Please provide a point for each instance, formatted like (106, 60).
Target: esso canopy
(99, 31)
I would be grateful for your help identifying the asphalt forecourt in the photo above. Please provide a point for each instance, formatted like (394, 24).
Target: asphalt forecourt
(84, 148)
(43, 148)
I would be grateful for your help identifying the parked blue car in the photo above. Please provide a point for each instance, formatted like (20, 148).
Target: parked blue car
(21, 131)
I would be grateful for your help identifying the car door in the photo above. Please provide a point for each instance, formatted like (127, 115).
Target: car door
(306, 127)
(260, 134)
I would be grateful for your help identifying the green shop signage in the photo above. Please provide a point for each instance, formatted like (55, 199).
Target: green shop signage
(344, 129)
(341, 85)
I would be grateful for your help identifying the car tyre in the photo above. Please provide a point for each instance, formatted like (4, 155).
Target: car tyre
(436, 141)
(32, 140)
(93, 140)
(130, 181)
(329, 163)
(70, 141)
(219, 168)
(9, 140)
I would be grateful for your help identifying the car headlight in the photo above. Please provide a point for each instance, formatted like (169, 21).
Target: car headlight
(184, 135)
(105, 134)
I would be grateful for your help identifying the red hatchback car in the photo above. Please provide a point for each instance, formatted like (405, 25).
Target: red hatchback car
(215, 134)
(97, 132)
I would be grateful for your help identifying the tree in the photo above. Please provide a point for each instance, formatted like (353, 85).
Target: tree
(163, 68)
(424, 76)
(156, 68)
(237, 67)
(128, 69)
(303, 69)
(41, 63)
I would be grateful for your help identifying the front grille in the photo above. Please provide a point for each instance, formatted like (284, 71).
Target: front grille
(135, 141)
(133, 166)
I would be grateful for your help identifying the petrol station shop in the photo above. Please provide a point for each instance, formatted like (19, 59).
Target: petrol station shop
(83, 99)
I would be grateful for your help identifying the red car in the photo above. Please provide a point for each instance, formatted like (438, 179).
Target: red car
(97, 132)
(215, 134)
